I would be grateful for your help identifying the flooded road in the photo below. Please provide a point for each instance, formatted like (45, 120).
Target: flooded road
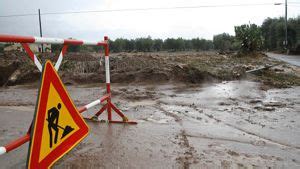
(224, 125)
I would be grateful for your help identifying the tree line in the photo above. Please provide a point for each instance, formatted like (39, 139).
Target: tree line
(248, 37)
(149, 45)
(273, 33)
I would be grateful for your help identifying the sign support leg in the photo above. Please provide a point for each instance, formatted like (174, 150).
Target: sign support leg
(109, 106)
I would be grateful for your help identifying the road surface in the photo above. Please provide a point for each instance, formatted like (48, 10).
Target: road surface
(223, 125)
(291, 59)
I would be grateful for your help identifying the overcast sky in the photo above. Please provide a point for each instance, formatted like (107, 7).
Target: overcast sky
(186, 23)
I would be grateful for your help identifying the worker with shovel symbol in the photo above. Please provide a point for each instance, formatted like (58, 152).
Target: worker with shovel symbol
(53, 115)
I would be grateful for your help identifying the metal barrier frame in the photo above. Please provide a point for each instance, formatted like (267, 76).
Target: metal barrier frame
(109, 106)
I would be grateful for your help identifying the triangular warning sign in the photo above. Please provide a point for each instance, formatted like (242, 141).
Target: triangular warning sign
(57, 126)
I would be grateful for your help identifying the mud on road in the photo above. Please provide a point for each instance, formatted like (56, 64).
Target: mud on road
(221, 125)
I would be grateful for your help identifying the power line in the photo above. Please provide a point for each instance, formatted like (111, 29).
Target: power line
(138, 9)
(17, 15)
(293, 5)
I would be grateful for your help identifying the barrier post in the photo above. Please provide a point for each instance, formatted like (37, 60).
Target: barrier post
(107, 77)
(109, 106)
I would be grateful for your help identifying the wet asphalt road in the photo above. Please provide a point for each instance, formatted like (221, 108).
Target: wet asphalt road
(224, 125)
(291, 59)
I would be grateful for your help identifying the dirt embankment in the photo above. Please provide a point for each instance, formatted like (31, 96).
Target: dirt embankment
(190, 67)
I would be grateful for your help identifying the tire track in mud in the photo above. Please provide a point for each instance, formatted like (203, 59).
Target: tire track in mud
(219, 138)
(189, 155)
(246, 131)
(238, 128)
(176, 117)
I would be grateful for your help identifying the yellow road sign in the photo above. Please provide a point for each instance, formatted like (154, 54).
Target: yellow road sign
(57, 126)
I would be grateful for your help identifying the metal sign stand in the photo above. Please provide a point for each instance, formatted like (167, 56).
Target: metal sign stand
(109, 106)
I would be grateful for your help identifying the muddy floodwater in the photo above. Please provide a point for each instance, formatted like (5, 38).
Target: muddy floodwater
(224, 125)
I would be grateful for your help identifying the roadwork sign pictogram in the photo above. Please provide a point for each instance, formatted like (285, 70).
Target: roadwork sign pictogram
(58, 126)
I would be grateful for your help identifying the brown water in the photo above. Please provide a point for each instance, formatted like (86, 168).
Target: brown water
(225, 125)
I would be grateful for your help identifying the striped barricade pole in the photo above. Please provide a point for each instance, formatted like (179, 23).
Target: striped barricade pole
(25, 40)
(109, 106)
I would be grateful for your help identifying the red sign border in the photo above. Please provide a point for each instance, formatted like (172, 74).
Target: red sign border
(50, 76)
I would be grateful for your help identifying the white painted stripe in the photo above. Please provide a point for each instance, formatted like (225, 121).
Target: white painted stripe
(94, 103)
(48, 40)
(61, 41)
(107, 69)
(59, 60)
(2, 150)
(37, 63)
(85, 42)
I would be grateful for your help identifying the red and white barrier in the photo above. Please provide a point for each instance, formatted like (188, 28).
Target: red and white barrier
(24, 40)
(32, 56)
(40, 40)
(60, 57)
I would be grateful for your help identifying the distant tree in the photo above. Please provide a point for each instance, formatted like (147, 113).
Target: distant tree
(223, 42)
(179, 44)
(268, 33)
(293, 32)
(71, 48)
(157, 44)
(140, 44)
(201, 44)
(273, 32)
(196, 44)
(208, 45)
(111, 45)
(144, 44)
(188, 45)
(174, 44)
(129, 45)
(148, 44)
(118, 45)
(249, 36)
(279, 34)
(169, 44)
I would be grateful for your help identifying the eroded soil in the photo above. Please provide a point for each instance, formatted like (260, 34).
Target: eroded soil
(221, 125)
(188, 67)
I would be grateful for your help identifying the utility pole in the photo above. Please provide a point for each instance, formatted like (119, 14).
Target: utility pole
(41, 32)
(286, 40)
